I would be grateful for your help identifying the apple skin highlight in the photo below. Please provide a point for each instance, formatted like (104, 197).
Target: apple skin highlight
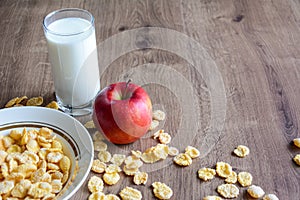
(122, 112)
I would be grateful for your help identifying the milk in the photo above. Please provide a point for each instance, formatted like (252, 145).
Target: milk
(73, 56)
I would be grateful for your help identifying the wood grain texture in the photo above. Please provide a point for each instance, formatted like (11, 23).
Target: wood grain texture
(255, 45)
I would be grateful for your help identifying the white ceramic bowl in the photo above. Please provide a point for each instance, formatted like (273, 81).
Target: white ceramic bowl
(76, 140)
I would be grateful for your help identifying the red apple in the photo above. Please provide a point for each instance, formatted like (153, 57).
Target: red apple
(122, 112)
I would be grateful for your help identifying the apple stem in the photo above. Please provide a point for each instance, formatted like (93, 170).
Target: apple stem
(127, 83)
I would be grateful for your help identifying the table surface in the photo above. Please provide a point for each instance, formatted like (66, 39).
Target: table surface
(225, 72)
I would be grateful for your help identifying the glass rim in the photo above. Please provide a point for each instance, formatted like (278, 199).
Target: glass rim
(92, 19)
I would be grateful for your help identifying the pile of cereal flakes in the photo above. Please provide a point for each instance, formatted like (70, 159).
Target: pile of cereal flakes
(33, 165)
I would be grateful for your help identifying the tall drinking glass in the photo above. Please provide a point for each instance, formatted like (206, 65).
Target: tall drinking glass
(71, 39)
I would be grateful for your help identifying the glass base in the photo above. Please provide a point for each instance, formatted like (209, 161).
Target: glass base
(77, 111)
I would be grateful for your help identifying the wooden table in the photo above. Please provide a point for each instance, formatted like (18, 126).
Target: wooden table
(225, 72)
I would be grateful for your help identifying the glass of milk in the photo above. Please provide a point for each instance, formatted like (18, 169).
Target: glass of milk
(71, 39)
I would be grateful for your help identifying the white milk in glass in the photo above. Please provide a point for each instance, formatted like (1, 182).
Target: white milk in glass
(73, 55)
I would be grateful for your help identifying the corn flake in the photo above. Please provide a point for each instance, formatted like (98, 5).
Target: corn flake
(97, 196)
(154, 124)
(192, 152)
(164, 138)
(56, 186)
(65, 164)
(158, 115)
(118, 159)
(130, 171)
(161, 190)
(206, 173)
(6, 186)
(111, 197)
(228, 190)
(15, 134)
(100, 146)
(255, 191)
(212, 198)
(245, 179)
(130, 193)
(297, 159)
(98, 166)
(54, 157)
(270, 197)
(89, 124)
(223, 169)
(173, 151)
(95, 184)
(232, 178)
(111, 178)
(98, 136)
(297, 142)
(140, 178)
(40, 189)
(53, 105)
(35, 101)
(104, 156)
(241, 151)
(183, 159)
(11, 102)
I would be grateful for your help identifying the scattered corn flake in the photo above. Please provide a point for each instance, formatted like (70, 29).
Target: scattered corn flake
(212, 198)
(161, 151)
(241, 151)
(154, 124)
(112, 168)
(98, 166)
(183, 159)
(136, 153)
(118, 159)
(255, 191)
(89, 124)
(232, 178)
(130, 171)
(111, 197)
(223, 169)
(158, 115)
(53, 105)
(140, 178)
(11, 102)
(157, 133)
(133, 162)
(129, 193)
(270, 197)
(206, 173)
(245, 179)
(95, 184)
(97, 196)
(173, 151)
(192, 152)
(164, 138)
(297, 159)
(161, 190)
(19, 100)
(100, 146)
(297, 142)
(149, 156)
(111, 178)
(98, 136)
(104, 156)
(35, 101)
(228, 190)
